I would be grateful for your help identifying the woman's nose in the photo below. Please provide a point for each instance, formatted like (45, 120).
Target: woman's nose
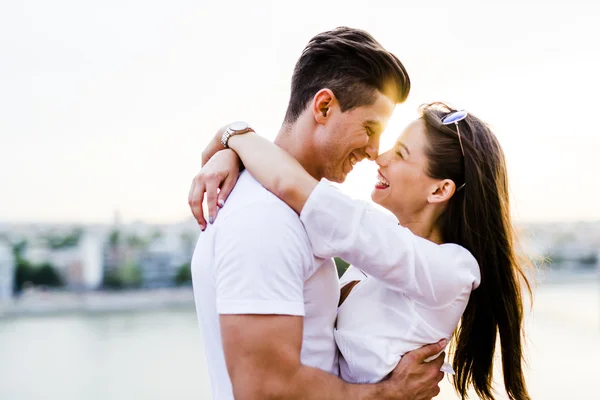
(382, 159)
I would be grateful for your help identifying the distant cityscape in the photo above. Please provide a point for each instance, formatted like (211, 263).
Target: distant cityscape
(83, 258)
(118, 256)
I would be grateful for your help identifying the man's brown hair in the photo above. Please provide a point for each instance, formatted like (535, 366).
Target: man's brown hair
(353, 65)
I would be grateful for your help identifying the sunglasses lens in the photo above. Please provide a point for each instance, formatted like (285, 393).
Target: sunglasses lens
(454, 117)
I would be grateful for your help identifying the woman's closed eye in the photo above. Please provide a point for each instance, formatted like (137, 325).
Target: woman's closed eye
(400, 147)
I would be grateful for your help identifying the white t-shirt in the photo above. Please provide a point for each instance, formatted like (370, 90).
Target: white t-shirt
(256, 259)
(414, 291)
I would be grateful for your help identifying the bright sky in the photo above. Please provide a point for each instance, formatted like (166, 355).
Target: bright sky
(108, 105)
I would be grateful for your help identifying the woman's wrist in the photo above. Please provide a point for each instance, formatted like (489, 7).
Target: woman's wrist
(214, 146)
(234, 142)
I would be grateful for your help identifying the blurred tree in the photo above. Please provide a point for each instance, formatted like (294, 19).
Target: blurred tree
(47, 275)
(124, 276)
(589, 260)
(64, 241)
(43, 274)
(112, 280)
(23, 273)
(184, 275)
(136, 242)
(18, 248)
(188, 239)
(130, 274)
(114, 238)
(341, 266)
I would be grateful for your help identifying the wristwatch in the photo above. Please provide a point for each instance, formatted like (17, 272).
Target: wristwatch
(237, 128)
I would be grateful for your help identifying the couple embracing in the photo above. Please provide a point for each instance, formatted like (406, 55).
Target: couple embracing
(278, 323)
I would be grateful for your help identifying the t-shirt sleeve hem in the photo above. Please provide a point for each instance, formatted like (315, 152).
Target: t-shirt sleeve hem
(261, 307)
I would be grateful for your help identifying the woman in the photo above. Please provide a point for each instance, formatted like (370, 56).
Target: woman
(450, 261)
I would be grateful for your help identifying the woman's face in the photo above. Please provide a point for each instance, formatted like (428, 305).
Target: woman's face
(403, 185)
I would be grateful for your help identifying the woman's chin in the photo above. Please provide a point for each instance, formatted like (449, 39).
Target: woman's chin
(376, 196)
(381, 196)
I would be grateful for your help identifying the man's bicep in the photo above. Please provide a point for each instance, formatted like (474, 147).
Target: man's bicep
(262, 352)
(261, 261)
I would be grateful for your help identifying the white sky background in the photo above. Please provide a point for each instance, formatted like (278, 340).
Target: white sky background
(108, 105)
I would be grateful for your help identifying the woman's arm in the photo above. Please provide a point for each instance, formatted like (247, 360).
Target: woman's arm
(340, 226)
(274, 168)
(372, 241)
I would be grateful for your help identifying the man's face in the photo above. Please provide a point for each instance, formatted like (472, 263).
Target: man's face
(349, 137)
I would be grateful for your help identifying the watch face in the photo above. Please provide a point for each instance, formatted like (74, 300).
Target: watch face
(238, 126)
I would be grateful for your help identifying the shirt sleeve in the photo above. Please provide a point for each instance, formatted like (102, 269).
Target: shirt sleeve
(369, 239)
(262, 255)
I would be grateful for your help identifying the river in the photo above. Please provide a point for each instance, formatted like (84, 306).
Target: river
(159, 355)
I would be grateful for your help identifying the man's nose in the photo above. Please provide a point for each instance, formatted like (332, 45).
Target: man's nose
(372, 149)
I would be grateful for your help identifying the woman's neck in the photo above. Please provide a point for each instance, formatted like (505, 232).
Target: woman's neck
(423, 226)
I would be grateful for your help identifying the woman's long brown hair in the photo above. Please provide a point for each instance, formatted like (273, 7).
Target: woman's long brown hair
(477, 217)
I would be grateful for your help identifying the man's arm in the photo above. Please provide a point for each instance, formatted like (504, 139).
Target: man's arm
(262, 353)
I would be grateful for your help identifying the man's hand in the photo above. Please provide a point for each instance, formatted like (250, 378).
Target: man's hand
(217, 179)
(414, 378)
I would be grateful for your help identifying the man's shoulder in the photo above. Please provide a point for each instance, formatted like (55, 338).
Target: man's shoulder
(249, 196)
(261, 218)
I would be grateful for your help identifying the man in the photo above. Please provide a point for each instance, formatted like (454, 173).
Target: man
(267, 306)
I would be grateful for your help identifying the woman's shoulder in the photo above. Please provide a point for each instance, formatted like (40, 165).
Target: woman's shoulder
(462, 260)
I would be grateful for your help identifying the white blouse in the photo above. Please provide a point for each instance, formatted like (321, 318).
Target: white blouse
(413, 291)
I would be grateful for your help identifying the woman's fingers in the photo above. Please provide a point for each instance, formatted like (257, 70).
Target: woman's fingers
(213, 181)
(226, 189)
(195, 199)
(216, 180)
(191, 192)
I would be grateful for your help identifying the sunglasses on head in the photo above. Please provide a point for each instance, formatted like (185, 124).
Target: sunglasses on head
(454, 118)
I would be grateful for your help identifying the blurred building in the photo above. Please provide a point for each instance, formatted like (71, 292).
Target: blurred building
(162, 259)
(79, 265)
(158, 269)
(91, 256)
(7, 272)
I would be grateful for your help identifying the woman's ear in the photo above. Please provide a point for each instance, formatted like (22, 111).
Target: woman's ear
(321, 105)
(442, 191)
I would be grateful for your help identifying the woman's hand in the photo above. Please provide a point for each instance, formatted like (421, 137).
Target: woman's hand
(217, 179)
(214, 145)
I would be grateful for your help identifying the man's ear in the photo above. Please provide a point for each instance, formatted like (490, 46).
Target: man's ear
(442, 191)
(321, 105)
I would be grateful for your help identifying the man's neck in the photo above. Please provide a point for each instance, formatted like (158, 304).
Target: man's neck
(298, 140)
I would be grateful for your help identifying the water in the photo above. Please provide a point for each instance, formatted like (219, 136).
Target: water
(106, 356)
(158, 355)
